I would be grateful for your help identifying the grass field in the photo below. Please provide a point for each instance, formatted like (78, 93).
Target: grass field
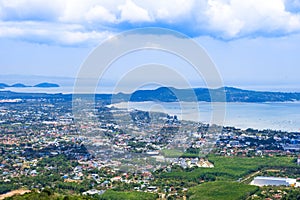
(221, 190)
(114, 195)
(233, 168)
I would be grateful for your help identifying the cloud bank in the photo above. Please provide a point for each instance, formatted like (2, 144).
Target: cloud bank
(87, 22)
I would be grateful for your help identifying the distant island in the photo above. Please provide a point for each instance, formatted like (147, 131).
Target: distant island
(21, 85)
(169, 94)
(46, 85)
(228, 94)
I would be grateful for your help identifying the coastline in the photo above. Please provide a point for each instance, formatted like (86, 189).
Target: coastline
(241, 115)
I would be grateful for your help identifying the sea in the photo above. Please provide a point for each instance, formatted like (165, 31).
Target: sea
(283, 116)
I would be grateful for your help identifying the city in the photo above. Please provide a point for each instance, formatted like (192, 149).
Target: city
(149, 100)
(43, 146)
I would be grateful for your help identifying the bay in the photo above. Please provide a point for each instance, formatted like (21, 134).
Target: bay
(283, 116)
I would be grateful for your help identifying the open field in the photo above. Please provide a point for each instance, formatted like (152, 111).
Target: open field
(14, 192)
(221, 190)
(233, 168)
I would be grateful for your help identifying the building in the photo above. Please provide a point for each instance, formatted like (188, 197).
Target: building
(93, 192)
(273, 181)
(291, 147)
(205, 164)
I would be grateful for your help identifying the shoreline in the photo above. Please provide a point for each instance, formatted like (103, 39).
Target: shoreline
(239, 114)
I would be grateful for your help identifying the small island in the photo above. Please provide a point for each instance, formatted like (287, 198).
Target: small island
(46, 85)
(21, 85)
(3, 85)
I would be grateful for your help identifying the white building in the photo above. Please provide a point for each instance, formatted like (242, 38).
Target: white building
(273, 181)
(93, 192)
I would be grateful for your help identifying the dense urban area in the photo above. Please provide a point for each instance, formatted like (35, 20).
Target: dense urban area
(50, 152)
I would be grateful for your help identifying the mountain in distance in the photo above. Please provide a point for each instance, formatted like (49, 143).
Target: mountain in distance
(46, 85)
(3, 85)
(169, 94)
(20, 85)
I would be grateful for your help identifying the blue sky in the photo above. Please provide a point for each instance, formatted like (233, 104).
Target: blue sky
(252, 42)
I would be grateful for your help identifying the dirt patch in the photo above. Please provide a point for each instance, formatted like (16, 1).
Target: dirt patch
(14, 192)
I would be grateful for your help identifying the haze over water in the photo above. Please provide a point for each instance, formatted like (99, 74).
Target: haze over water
(283, 116)
(274, 115)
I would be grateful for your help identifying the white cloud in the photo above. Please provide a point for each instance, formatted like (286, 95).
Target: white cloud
(78, 37)
(51, 33)
(133, 13)
(227, 19)
(168, 10)
(222, 18)
(30, 9)
(1, 12)
(74, 11)
(238, 18)
(99, 13)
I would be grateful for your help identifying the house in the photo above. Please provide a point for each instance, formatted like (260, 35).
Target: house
(93, 192)
(33, 173)
(291, 147)
(117, 178)
(105, 183)
(205, 164)
(152, 189)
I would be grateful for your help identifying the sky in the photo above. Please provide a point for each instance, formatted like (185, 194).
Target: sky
(253, 43)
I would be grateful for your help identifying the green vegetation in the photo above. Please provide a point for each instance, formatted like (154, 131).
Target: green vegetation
(231, 168)
(47, 195)
(114, 195)
(171, 153)
(226, 171)
(6, 187)
(47, 177)
(286, 193)
(291, 172)
(221, 190)
(175, 153)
